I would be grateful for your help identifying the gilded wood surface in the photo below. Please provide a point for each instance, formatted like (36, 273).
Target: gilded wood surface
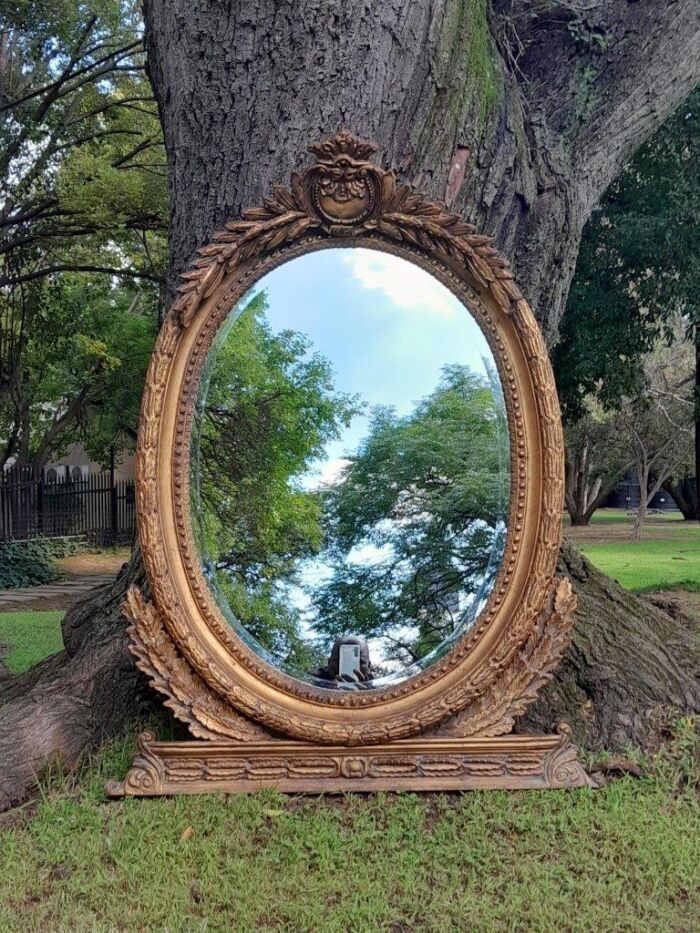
(425, 764)
(212, 679)
(208, 717)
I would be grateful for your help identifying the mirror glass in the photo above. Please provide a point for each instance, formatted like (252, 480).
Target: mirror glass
(350, 468)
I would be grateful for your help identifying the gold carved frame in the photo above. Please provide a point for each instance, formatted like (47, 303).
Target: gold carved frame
(446, 726)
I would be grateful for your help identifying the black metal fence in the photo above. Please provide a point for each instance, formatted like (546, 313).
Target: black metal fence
(627, 495)
(97, 506)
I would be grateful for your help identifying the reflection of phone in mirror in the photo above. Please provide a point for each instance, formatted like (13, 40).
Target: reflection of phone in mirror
(349, 661)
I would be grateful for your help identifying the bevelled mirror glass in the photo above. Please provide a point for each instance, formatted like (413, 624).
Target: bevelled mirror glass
(350, 468)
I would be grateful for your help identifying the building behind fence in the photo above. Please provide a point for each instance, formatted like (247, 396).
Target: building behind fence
(96, 506)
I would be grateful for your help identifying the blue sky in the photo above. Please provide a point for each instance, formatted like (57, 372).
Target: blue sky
(387, 326)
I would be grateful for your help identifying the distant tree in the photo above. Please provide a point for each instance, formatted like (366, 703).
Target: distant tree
(598, 454)
(659, 421)
(682, 489)
(80, 372)
(638, 269)
(82, 176)
(80, 143)
(427, 493)
(270, 409)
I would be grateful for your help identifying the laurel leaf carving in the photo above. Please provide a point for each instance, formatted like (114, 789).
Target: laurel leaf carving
(200, 687)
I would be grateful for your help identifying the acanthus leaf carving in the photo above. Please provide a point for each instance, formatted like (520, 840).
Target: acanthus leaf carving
(289, 223)
(188, 696)
(342, 192)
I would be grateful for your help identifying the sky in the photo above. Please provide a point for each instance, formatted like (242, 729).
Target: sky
(387, 327)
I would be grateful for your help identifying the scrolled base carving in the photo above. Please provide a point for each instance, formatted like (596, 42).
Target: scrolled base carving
(468, 752)
(423, 764)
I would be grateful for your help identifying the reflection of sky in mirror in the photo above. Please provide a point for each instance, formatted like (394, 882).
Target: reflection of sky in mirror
(388, 329)
(373, 315)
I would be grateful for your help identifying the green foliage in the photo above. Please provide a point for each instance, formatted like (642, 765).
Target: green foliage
(85, 214)
(82, 367)
(268, 409)
(481, 88)
(623, 858)
(78, 132)
(429, 493)
(637, 271)
(27, 563)
(29, 637)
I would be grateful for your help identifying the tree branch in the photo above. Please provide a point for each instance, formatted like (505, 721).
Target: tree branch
(53, 270)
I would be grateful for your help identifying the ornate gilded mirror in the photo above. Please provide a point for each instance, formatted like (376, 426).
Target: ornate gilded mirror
(350, 481)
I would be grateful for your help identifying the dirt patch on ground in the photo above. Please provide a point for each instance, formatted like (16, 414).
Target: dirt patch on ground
(679, 604)
(47, 604)
(603, 532)
(97, 562)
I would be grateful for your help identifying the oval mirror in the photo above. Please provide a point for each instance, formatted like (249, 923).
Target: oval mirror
(350, 468)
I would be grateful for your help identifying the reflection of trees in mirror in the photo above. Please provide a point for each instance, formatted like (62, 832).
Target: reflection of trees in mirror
(401, 546)
(416, 519)
(267, 408)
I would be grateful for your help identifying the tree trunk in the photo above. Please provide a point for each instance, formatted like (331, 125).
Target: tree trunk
(517, 114)
(683, 492)
(630, 666)
(72, 701)
(582, 499)
(644, 499)
(696, 420)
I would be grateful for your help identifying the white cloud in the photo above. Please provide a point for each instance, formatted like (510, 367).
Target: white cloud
(331, 470)
(407, 286)
(327, 472)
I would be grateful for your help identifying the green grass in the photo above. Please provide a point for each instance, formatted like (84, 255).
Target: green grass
(649, 565)
(624, 858)
(30, 637)
(619, 516)
(667, 556)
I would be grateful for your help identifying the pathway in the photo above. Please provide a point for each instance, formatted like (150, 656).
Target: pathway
(73, 588)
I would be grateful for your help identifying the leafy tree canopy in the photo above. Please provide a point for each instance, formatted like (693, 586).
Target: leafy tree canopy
(83, 362)
(637, 270)
(81, 164)
(415, 523)
(268, 407)
(83, 220)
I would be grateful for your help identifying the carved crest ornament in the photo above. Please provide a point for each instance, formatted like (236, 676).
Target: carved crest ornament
(447, 727)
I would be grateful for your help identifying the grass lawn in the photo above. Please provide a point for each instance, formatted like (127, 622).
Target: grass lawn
(29, 637)
(626, 858)
(667, 556)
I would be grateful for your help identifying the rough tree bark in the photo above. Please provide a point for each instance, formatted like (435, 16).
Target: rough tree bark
(517, 114)
(631, 666)
(72, 701)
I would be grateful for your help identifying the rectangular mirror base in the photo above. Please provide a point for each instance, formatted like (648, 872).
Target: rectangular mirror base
(420, 764)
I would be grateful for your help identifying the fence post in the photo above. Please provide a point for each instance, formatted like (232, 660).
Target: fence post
(114, 517)
(40, 502)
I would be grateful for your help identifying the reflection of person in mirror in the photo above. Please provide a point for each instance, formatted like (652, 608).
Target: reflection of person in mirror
(348, 664)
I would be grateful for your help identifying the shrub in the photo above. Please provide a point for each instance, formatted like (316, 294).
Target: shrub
(28, 563)
(64, 547)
